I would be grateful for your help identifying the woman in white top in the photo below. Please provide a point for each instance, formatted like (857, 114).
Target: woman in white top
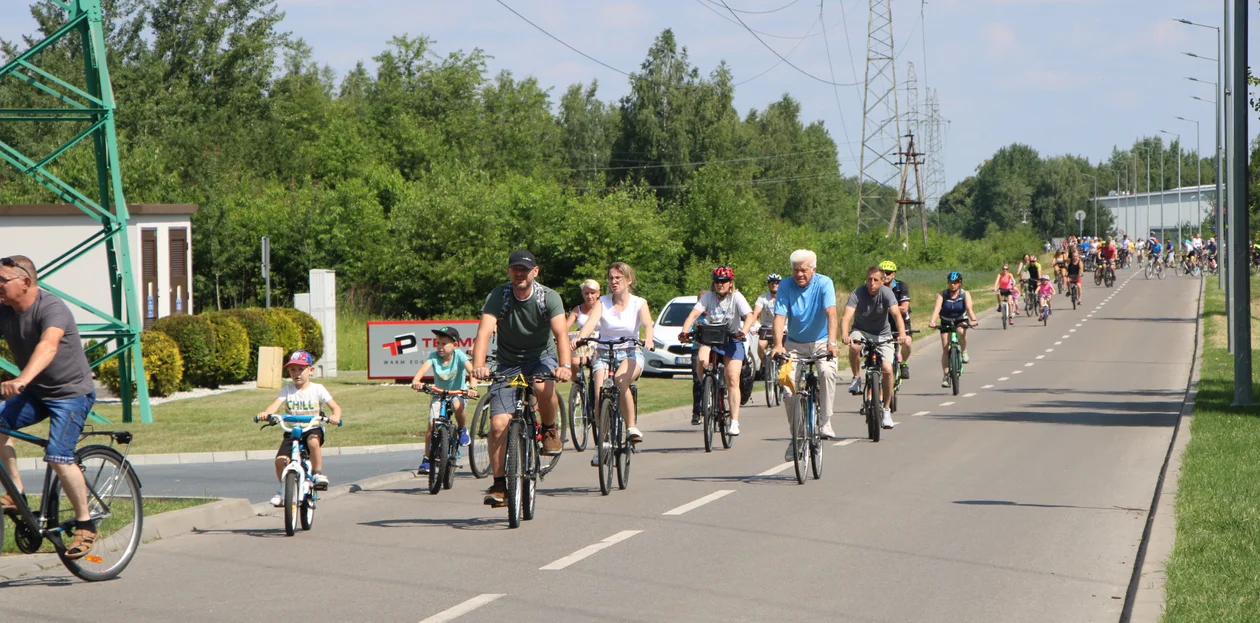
(581, 315)
(616, 315)
(724, 305)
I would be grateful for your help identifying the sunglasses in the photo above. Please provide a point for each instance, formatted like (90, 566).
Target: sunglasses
(8, 262)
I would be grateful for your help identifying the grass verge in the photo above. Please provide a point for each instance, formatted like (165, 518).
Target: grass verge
(1214, 571)
(151, 507)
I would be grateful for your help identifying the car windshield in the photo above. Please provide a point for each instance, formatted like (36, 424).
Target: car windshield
(675, 314)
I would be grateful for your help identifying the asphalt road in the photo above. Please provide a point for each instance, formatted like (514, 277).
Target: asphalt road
(1023, 499)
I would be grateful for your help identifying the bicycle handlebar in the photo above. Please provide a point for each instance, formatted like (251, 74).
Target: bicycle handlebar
(438, 391)
(621, 340)
(279, 420)
(533, 378)
(803, 359)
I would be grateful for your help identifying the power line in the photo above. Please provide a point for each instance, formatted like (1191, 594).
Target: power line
(703, 162)
(834, 90)
(776, 53)
(558, 40)
(780, 62)
(761, 12)
(705, 4)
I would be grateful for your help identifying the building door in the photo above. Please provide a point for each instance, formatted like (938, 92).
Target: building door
(149, 293)
(179, 269)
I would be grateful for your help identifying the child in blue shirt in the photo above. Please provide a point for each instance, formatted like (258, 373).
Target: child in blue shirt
(451, 369)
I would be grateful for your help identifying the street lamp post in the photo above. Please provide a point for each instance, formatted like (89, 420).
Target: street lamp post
(1095, 199)
(1161, 201)
(1198, 161)
(1218, 105)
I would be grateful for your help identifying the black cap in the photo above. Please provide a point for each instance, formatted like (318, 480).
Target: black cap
(522, 258)
(448, 331)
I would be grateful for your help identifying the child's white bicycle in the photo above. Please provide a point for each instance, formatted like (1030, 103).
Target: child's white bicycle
(299, 495)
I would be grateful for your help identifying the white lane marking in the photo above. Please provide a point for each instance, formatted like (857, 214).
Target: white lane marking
(1057, 343)
(969, 395)
(1017, 372)
(461, 609)
(912, 415)
(1049, 350)
(589, 550)
(1030, 364)
(1005, 378)
(946, 404)
(1066, 337)
(716, 495)
(1037, 357)
(774, 470)
(1085, 319)
(987, 386)
(1072, 330)
(849, 441)
(1078, 324)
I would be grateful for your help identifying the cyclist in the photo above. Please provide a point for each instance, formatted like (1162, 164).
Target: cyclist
(805, 323)
(621, 314)
(763, 309)
(1074, 268)
(532, 335)
(1060, 263)
(1030, 269)
(951, 304)
(901, 290)
(725, 306)
(302, 398)
(55, 384)
(1004, 285)
(580, 315)
(867, 314)
(450, 367)
(1209, 247)
(1153, 247)
(1045, 292)
(1107, 254)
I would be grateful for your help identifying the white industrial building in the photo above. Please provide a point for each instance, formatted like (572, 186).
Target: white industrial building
(160, 238)
(1139, 214)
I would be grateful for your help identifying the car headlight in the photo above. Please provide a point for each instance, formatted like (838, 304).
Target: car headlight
(656, 341)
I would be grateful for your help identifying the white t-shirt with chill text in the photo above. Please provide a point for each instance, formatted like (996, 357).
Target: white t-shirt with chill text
(306, 401)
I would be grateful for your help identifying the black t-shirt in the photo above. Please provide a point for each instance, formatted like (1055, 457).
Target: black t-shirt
(901, 290)
(68, 375)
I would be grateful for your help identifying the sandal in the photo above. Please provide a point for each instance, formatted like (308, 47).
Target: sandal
(82, 544)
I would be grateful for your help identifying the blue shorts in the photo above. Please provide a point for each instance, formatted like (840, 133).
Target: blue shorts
(619, 355)
(503, 396)
(734, 349)
(66, 416)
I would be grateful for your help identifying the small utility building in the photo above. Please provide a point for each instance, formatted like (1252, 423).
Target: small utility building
(160, 236)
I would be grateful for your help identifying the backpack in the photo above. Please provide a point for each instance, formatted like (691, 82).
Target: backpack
(539, 296)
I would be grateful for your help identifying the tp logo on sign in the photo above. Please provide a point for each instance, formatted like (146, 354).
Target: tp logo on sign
(401, 345)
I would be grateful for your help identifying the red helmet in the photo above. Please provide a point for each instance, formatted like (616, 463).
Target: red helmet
(723, 273)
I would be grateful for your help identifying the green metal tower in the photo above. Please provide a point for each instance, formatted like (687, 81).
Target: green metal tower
(90, 110)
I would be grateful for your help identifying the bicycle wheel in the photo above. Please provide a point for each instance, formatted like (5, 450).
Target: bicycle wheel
(800, 456)
(724, 430)
(529, 479)
(1006, 315)
(955, 368)
(1150, 269)
(621, 453)
(1159, 271)
(1076, 295)
(512, 467)
(478, 449)
(767, 382)
(448, 475)
(437, 457)
(290, 503)
(307, 516)
(875, 405)
(815, 444)
(114, 502)
(1098, 278)
(579, 425)
(1178, 269)
(605, 447)
(708, 410)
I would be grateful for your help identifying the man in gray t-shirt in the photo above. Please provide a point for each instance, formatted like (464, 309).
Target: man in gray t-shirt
(866, 318)
(54, 383)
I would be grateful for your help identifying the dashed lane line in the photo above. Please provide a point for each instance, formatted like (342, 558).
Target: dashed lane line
(946, 404)
(774, 470)
(988, 386)
(846, 442)
(689, 506)
(462, 609)
(969, 394)
(1005, 378)
(1037, 357)
(590, 550)
(1030, 364)
(921, 413)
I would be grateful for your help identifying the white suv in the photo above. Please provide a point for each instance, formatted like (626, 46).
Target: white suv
(670, 356)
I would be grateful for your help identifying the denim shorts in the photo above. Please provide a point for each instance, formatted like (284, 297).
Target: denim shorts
(503, 396)
(734, 349)
(619, 355)
(66, 416)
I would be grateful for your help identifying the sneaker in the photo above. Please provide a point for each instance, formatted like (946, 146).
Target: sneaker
(1012, 321)
(966, 358)
(277, 500)
(905, 371)
(734, 428)
(633, 435)
(496, 495)
(695, 419)
(887, 421)
(464, 439)
(825, 431)
(595, 458)
(424, 466)
(320, 480)
(787, 454)
(945, 382)
(855, 387)
(551, 443)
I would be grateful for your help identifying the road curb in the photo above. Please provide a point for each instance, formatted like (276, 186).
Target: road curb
(1145, 599)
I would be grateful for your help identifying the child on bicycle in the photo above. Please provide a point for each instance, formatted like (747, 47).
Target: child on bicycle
(302, 398)
(1045, 292)
(451, 369)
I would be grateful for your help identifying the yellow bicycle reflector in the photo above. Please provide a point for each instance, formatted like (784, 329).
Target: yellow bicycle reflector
(518, 382)
(785, 376)
(93, 559)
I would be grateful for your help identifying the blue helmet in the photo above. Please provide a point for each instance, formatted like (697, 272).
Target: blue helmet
(955, 276)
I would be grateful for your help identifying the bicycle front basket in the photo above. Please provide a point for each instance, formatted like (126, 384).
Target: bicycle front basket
(716, 335)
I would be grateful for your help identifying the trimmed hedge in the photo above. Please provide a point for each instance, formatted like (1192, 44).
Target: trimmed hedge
(163, 365)
(312, 334)
(288, 334)
(197, 345)
(231, 348)
(259, 332)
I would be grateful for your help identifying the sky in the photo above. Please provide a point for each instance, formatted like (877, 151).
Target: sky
(1063, 76)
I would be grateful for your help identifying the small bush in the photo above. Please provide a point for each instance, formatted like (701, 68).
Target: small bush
(288, 334)
(197, 345)
(312, 334)
(259, 331)
(231, 348)
(163, 366)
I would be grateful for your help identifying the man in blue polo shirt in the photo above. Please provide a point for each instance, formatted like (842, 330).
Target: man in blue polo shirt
(805, 324)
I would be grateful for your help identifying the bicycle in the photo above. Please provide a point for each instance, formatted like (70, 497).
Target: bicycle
(769, 380)
(897, 373)
(1005, 308)
(443, 448)
(581, 408)
(806, 440)
(522, 462)
(1030, 297)
(615, 447)
(713, 408)
(114, 501)
(479, 434)
(955, 349)
(1074, 291)
(299, 488)
(1186, 268)
(1106, 274)
(872, 364)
